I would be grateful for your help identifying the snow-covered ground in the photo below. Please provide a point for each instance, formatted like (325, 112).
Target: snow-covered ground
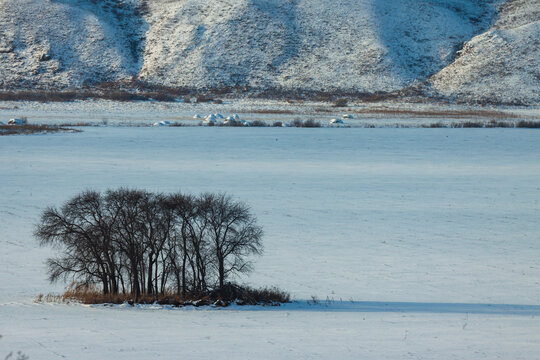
(383, 114)
(418, 243)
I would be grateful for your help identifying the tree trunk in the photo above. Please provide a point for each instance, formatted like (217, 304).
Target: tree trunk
(136, 288)
(184, 260)
(150, 277)
(105, 285)
(221, 271)
(184, 284)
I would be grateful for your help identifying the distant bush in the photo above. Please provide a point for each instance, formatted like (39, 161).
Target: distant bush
(499, 124)
(483, 124)
(159, 97)
(177, 124)
(309, 123)
(203, 99)
(233, 123)
(297, 122)
(121, 95)
(26, 129)
(472, 124)
(96, 93)
(434, 125)
(38, 95)
(340, 103)
(277, 124)
(528, 124)
(258, 123)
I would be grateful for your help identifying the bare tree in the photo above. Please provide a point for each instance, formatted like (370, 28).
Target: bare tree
(180, 256)
(233, 233)
(128, 238)
(142, 242)
(75, 227)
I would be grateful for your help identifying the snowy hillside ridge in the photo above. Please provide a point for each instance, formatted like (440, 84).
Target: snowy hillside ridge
(501, 64)
(69, 43)
(361, 45)
(327, 46)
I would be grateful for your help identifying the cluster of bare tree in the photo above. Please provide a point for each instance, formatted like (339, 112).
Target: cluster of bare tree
(133, 241)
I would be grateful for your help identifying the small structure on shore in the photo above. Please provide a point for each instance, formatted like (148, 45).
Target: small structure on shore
(16, 121)
(162, 123)
(336, 121)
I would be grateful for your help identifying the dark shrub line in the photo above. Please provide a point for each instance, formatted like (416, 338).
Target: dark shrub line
(67, 96)
(528, 124)
(488, 124)
(133, 90)
(27, 129)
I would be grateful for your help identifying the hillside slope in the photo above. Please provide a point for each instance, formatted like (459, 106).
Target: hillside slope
(360, 45)
(315, 45)
(501, 64)
(67, 43)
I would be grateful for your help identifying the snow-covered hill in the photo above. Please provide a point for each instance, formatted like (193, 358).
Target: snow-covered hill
(316, 45)
(68, 43)
(361, 45)
(501, 64)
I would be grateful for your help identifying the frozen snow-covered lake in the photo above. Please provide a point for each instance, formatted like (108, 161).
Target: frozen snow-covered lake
(378, 216)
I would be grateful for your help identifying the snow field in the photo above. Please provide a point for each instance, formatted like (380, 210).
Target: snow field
(427, 216)
(50, 332)
(103, 112)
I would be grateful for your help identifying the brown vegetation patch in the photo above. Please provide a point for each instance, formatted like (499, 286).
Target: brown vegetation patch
(270, 111)
(136, 90)
(27, 129)
(456, 114)
(340, 103)
(486, 124)
(228, 295)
